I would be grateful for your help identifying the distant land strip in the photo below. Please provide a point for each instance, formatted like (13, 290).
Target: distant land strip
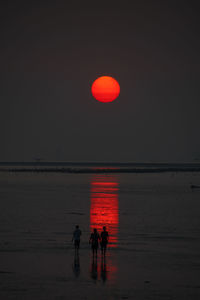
(100, 170)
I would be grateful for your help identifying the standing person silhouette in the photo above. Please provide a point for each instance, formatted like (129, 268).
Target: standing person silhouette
(104, 240)
(76, 238)
(94, 241)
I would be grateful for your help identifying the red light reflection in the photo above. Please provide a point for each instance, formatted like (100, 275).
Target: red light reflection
(104, 209)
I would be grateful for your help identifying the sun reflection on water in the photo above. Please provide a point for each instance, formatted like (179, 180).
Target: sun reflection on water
(104, 209)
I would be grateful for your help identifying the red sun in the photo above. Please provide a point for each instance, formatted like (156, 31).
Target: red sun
(105, 89)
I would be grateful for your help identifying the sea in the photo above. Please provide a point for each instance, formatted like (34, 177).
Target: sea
(151, 212)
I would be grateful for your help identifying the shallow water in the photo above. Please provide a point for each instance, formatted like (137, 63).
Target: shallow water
(154, 226)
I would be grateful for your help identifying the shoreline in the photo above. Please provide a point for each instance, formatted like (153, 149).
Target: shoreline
(100, 170)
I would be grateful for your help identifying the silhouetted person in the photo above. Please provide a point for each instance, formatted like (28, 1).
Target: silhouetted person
(94, 241)
(104, 240)
(76, 265)
(76, 238)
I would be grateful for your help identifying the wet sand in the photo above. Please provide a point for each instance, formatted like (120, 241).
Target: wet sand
(154, 225)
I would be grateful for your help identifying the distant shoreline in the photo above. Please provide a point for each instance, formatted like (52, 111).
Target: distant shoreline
(98, 170)
(97, 164)
(97, 167)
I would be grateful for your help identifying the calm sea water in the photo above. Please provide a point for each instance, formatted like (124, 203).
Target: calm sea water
(153, 222)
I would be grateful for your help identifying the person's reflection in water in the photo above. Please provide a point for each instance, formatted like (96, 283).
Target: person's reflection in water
(103, 268)
(76, 264)
(94, 268)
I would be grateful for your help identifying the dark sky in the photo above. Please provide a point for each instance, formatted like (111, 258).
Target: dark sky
(50, 53)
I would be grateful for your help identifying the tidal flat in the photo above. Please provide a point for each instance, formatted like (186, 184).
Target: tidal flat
(154, 235)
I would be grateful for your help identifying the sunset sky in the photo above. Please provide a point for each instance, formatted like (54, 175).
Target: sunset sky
(50, 54)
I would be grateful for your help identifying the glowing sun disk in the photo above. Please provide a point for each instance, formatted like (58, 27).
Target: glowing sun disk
(105, 89)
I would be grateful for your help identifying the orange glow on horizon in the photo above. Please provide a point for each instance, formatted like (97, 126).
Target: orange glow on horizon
(104, 209)
(105, 89)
